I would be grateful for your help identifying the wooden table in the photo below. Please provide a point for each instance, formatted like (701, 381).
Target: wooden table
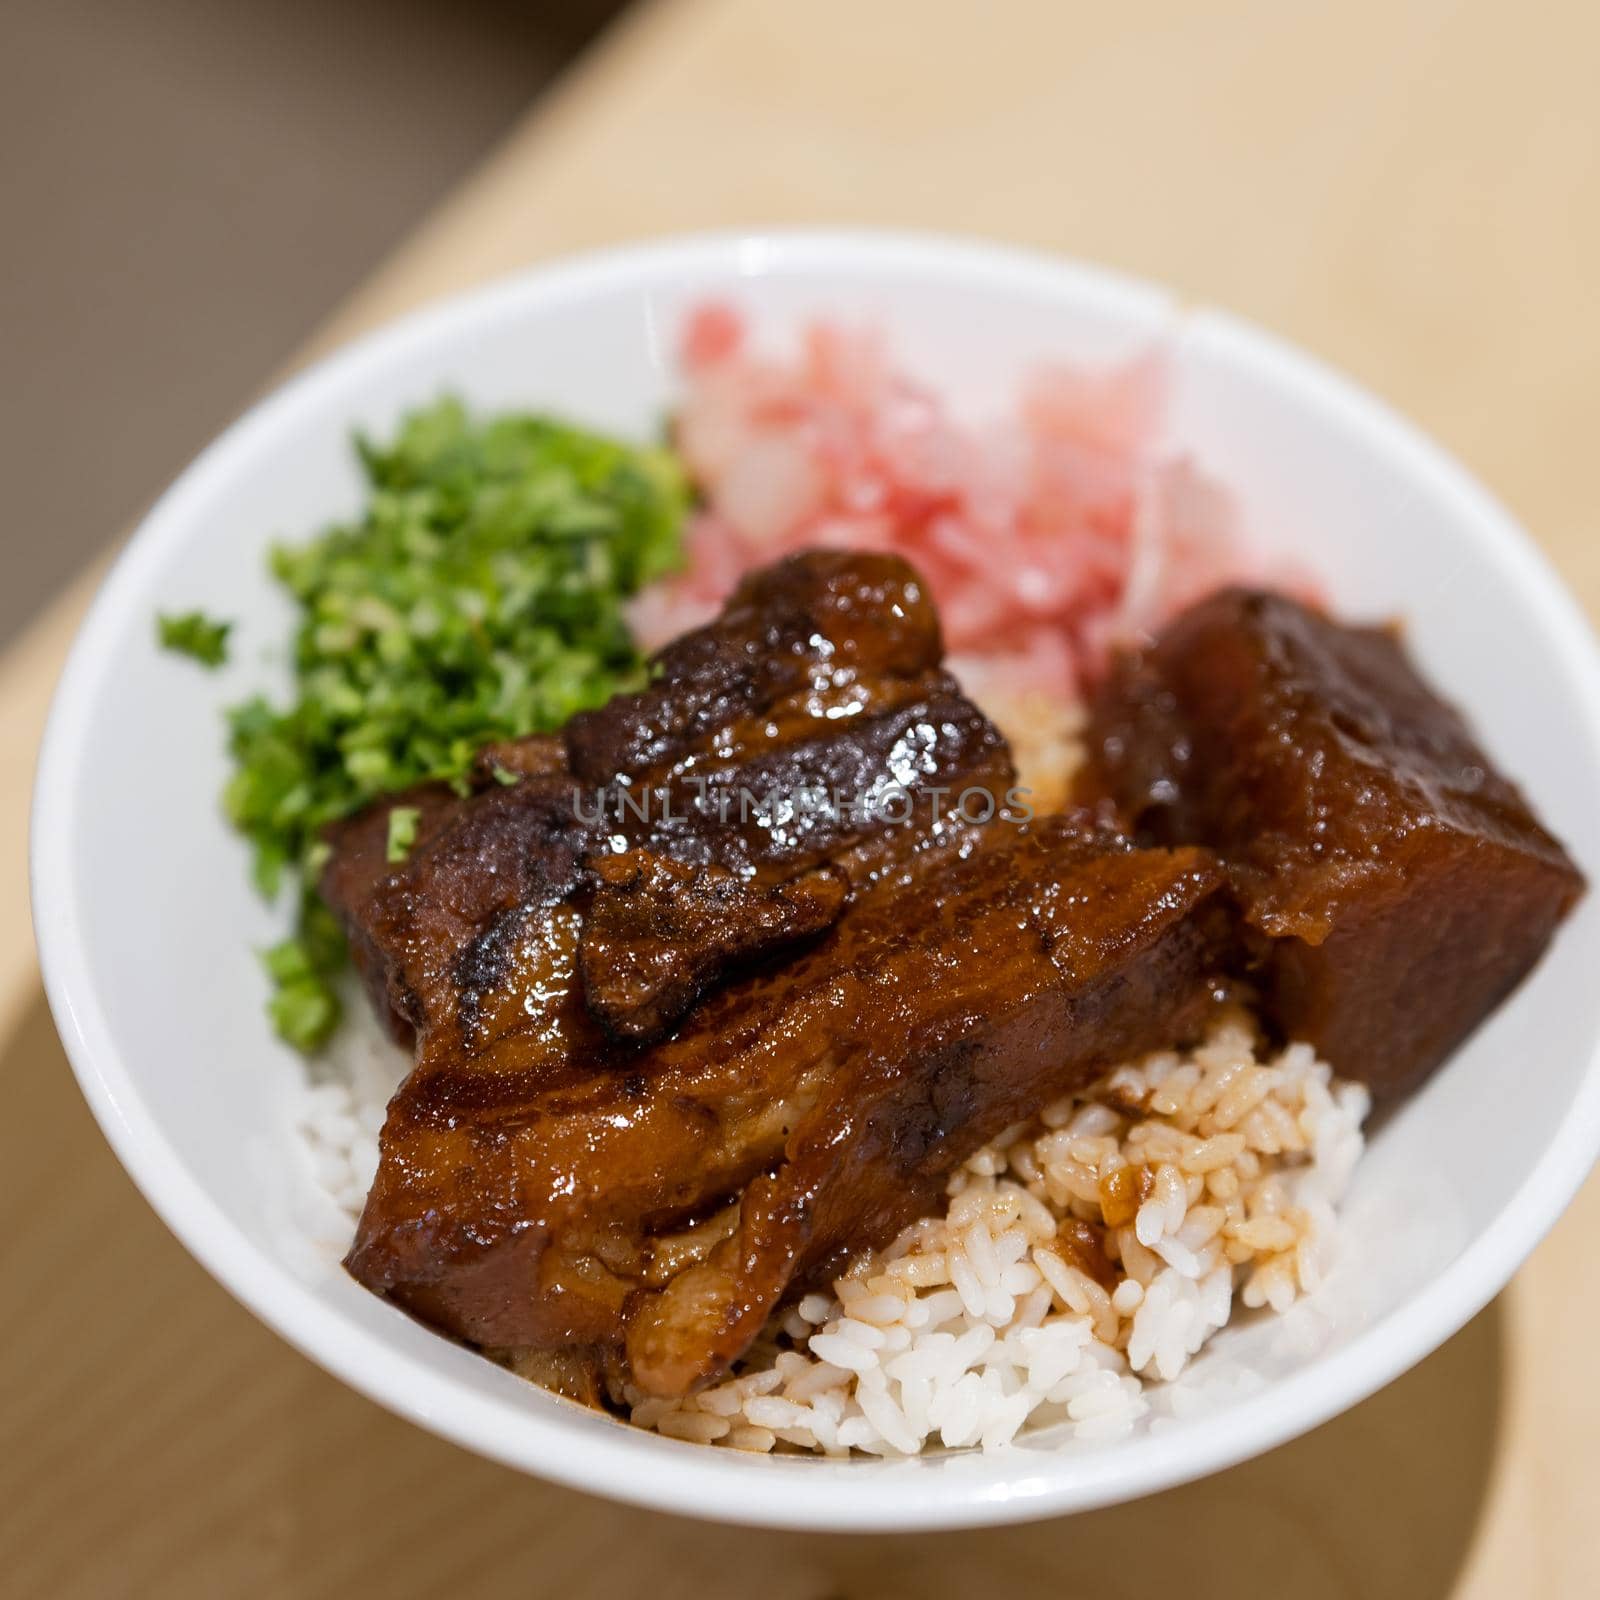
(1412, 190)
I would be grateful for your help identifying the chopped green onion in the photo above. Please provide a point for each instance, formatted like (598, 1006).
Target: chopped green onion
(194, 634)
(479, 596)
(402, 832)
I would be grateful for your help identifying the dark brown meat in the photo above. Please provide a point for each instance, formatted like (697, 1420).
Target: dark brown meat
(825, 623)
(985, 980)
(841, 743)
(540, 755)
(540, 1191)
(353, 880)
(790, 786)
(863, 992)
(659, 934)
(810, 717)
(1399, 886)
(427, 931)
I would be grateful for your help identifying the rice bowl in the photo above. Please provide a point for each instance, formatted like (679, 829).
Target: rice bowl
(1372, 1331)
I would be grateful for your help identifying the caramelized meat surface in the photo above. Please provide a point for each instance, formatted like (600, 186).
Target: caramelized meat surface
(716, 989)
(809, 720)
(1397, 885)
(545, 1188)
(862, 992)
(425, 932)
(659, 933)
(820, 629)
(993, 974)
(809, 725)
(358, 869)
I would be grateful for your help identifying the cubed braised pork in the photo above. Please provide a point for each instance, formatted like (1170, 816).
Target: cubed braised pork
(1398, 886)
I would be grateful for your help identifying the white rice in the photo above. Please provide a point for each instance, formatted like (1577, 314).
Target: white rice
(339, 1112)
(977, 1324)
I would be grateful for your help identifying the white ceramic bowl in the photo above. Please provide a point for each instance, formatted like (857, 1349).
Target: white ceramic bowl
(146, 925)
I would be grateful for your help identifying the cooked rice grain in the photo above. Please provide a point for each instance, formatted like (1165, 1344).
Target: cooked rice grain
(1204, 1178)
(993, 1318)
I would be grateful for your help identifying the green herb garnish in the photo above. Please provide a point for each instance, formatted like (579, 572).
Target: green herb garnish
(402, 832)
(305, 1006)
(195, 634)
(478, 597)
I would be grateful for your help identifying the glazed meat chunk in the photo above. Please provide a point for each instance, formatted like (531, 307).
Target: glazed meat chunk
(987, 978)
(1395, 885)
(652, 1208)
(677, 1058)
(659, 933)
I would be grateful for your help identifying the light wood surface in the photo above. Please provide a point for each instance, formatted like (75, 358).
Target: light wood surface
(1413, 191)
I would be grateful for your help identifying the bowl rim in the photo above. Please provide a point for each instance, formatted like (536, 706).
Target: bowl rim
(620, 1462)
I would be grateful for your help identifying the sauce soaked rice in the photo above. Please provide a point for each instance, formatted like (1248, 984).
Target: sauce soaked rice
(1080, 1258)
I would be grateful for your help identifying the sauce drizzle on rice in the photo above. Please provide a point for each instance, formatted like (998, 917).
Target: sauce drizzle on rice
(1081, 1258)
(1204, 1179)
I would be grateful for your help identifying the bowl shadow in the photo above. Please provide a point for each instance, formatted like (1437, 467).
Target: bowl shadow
(155, 1438)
